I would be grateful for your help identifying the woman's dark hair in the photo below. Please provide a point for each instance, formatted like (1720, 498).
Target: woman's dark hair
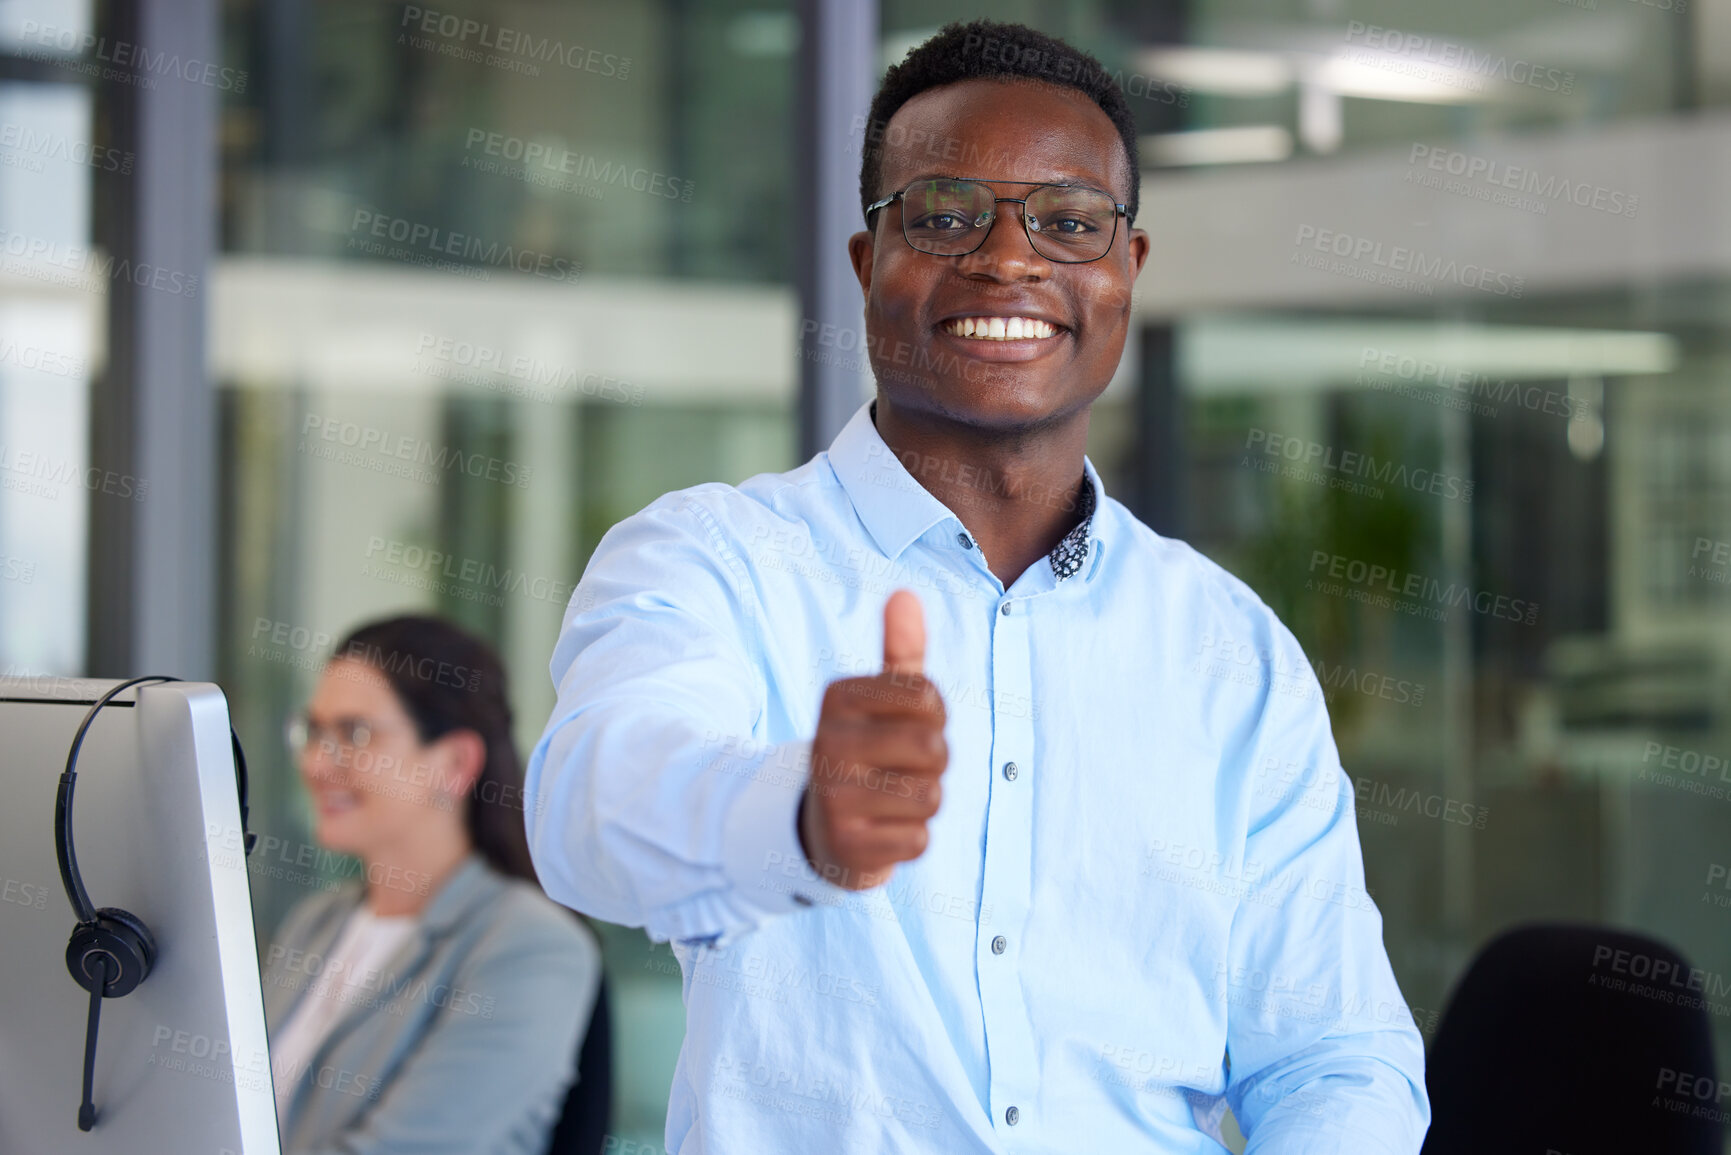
(985, 49)
(447, 679)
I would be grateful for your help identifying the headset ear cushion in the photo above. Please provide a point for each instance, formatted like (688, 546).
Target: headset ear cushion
(122, 937)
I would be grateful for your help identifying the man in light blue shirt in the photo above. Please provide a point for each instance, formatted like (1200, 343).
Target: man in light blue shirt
(1049, 852)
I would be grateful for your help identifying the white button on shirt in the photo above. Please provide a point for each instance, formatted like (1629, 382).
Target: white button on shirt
(1161, 905)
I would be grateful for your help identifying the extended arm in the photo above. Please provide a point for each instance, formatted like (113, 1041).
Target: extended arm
(649, 803)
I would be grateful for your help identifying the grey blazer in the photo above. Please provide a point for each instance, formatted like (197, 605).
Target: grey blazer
(464, 1043)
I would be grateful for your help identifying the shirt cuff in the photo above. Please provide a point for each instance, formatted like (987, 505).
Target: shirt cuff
(760, 854)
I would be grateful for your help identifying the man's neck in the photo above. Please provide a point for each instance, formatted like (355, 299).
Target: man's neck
(1018, 495)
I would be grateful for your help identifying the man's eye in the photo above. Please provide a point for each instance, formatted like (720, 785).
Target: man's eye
(941, 222)
(1074, 226)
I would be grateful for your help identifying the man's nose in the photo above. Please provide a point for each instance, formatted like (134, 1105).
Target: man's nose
(1006, 254)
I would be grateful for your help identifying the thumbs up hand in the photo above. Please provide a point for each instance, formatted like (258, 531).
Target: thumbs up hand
(876, 760)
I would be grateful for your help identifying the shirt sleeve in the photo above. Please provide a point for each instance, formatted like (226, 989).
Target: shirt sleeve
(1324, 1057)
(651, 804)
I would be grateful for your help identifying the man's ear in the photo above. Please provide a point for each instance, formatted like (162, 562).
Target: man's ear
(1138, 239)
(860, 250)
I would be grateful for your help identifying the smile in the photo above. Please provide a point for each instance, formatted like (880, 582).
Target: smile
(1000, 328)
(335, 801)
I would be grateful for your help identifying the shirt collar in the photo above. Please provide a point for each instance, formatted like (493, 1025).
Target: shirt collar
(897, 510)
(1071, 553)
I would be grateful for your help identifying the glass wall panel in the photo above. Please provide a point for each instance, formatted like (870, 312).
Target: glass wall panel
(1432, 355)
(53, 292)
(1431, 351)
(489, 284)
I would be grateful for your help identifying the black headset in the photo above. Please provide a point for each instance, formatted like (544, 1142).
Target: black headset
(111, 951)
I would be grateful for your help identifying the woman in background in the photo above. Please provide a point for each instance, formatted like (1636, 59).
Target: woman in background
(435, 1003)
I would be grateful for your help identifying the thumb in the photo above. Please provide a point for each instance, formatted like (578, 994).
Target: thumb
(904, 634)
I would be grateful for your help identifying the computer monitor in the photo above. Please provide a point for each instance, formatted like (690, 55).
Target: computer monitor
(181, 1062)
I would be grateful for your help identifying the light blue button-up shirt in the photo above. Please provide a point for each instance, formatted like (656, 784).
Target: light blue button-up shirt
(1142, 898)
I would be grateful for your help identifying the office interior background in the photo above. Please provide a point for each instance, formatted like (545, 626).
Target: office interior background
(372, 311)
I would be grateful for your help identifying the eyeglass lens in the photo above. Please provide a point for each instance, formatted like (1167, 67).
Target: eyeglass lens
(950, 217)
(349, 732)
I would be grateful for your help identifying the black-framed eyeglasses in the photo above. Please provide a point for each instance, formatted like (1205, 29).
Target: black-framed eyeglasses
(950, 217)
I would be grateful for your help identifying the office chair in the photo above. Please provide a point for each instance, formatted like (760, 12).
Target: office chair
(587, 1114)
(1575, 1040)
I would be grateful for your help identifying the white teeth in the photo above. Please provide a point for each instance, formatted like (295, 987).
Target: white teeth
(1000, 328)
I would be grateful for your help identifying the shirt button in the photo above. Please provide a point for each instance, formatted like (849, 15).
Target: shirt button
(1010, 771)
(998, 945)
(1011, 1115)
(964, 541)
(1004, 609)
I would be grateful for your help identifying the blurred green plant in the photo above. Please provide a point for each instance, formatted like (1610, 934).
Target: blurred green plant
(1279, 561)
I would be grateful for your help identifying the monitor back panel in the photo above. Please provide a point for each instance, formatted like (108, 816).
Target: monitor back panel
(181, 1063)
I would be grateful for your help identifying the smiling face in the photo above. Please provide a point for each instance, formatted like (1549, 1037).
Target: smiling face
(393, 788)
(932, 320)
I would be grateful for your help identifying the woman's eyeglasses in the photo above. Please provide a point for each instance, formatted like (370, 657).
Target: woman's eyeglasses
(950, 217)
(344, 734)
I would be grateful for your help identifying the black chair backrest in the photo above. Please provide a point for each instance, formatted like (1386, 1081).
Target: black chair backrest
(587, 1115)
(1576, 1040)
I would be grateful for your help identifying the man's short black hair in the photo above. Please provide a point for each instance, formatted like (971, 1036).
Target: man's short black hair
(986, 49)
